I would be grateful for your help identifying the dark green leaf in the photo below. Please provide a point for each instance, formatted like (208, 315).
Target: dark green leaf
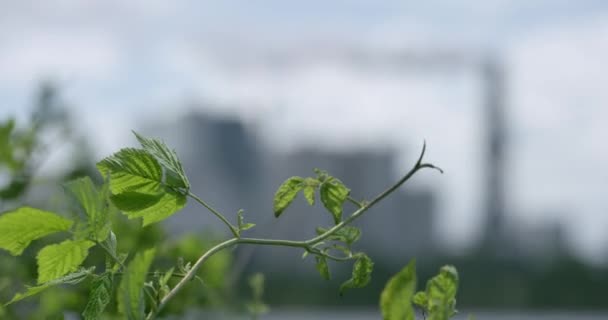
(395, 298)
(333, 195)
(362, 274)
(20, 227)
(286, 193)
(322, 267)
(99, 298)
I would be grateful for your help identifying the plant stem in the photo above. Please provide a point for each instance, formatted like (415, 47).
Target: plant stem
(308, 245)
(220, 216)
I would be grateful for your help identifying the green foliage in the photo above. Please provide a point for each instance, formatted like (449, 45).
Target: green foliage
(137, 183)
(72, 278)
(93, 203)
(348, 234)
(56, 260)
(362, 273)
(286, 193)
(99, 298)
(150, 183)
(322, 267)
(439, 298)
(333, 195)
(130, 298)
(394, 300)
(175, 174)
(18, 228)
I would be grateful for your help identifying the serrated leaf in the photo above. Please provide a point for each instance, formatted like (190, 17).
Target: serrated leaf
(322, 267)
(176, 175)
(333, 195)
(441, 292)
(362, 274)
(99, 298)
(72, 278)
(168, 204)
(137, 186)
(20, 227)
(346, 234)
(286, 193)
(132, 170)
(56, 260)
(93, 202)
(130, 291)
(395, 298)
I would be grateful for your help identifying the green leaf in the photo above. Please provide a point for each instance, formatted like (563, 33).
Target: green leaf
(346, 234)
(441, 292)
(362, 274)
(395, 298)
(333, 195)
(56, 260)
(130, 291)
(310, 185)
(322, 267)
(421, 300)
(72, 278)
(166, 205)
(20, 227)
(137, 186)
(132, 170)
(94, 204)
(241, 221)
(99, 298)
(286, 193)
(176, 175)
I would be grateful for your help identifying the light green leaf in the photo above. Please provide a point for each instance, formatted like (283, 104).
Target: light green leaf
(130, 291)
(241, 221)
(362, 274)
(286, 193)
(176, 175)
(310, 185)
(20, 227)
(94, 204)
(72, 278)
(132, 170)
(56, 260)
(333, 195)
(421, 300)
(137, 186)
(99, 298)
(322, 267)
(441, 292)
(347, 234)
(395, 298)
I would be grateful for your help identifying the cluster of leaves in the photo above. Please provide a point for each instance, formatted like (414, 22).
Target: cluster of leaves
(333, 194)
(150, 183)
(437, 301)
(147, 183)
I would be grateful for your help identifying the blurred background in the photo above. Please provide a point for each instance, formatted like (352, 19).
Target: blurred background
(510, 97)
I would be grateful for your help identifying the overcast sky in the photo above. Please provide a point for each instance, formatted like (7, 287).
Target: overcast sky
(119, 61)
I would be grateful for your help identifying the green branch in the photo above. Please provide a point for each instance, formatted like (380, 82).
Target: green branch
(308, 245)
